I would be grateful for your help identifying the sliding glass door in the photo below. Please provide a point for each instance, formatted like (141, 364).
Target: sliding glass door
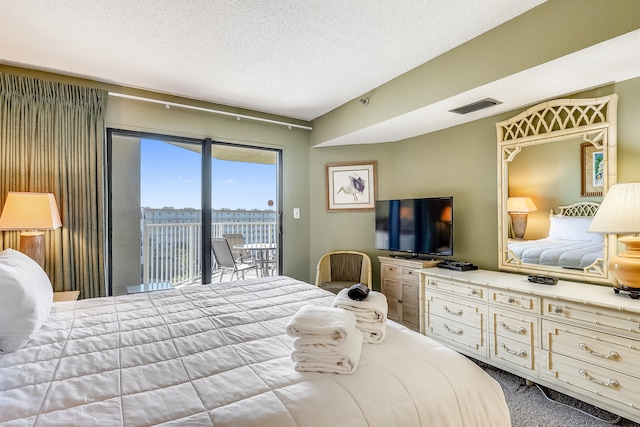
(244, 195)
(169, 196)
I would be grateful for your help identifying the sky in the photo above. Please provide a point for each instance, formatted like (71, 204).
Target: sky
(170, 176)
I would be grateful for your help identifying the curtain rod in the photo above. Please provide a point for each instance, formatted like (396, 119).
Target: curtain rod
(209, 110)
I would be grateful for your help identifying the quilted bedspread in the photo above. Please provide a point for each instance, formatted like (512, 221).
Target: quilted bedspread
(217, 355)
(576, 254)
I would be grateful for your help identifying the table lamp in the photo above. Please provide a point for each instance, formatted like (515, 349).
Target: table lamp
(33, 212)
(519, 208)
(619, 213)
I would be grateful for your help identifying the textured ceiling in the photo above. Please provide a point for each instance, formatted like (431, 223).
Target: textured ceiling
(294, 58)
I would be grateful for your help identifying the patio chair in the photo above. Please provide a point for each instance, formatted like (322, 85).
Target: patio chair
(342, 269)
(225, 260)
(239, 254)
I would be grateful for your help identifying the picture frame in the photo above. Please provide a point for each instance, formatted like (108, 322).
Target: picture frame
(351, 186)
(591, 170)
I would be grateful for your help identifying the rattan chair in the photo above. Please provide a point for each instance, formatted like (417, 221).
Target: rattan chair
(342, 269)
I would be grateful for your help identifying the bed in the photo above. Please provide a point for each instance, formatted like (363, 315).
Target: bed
(569, 245)
(217, 355)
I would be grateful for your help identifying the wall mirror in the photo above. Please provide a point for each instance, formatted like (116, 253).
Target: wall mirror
(556, 161)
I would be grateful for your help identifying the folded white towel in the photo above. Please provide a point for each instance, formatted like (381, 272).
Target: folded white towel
(371, 314)
(373, 308)
(372, 333)
(343, 359)
(322, 325)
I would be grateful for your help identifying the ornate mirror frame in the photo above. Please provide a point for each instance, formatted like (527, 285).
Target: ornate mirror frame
(593, 120)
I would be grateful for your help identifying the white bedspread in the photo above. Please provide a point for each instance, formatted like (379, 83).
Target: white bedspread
(218, 356)
(575, 254)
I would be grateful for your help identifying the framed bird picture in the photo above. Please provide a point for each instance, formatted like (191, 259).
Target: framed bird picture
(351, 186)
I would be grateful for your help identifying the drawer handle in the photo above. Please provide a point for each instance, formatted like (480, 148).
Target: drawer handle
(520, 353)
(610, 383)
(399, 301)
(558, 310)
(612, 354)
(475, 292)
(511, 300)
(453, 331)
(521, 330)
(455, 313)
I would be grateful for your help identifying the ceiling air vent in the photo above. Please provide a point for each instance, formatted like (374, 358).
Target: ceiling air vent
(475, 106)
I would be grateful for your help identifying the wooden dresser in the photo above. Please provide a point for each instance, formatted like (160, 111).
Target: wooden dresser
(582, 340)
(400, 283)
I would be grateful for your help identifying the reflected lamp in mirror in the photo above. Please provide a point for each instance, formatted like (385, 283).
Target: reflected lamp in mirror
(519, 208)
(619, 213)
(31, 213)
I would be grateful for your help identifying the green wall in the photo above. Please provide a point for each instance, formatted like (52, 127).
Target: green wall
(460, 161)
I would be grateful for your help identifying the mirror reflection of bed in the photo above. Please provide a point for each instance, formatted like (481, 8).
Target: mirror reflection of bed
(567, 244)
(547, 154)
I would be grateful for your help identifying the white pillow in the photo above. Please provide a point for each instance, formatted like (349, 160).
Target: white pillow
(26, 296)
(572, 228)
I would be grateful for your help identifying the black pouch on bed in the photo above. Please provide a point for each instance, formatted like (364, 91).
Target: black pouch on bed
(358, 292)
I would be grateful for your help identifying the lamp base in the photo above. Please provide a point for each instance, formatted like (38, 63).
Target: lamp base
(32, 245)
(634, 293)
(626, 267)
(519, 224)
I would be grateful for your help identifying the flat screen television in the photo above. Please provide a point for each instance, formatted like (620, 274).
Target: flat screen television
(418, 227)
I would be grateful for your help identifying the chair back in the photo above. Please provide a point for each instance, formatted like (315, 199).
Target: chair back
(222, 252)
(236, 239)
(343, 267)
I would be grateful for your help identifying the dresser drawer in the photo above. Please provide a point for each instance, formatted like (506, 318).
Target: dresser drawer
(514, 300)
(513, 325)
(472, 338)
(599, 318)
(513, 352)
(406, 273)
(457, 288)
(458, 311)
(596, 347)
(610, 388)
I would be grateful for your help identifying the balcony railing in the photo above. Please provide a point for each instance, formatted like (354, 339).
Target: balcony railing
(172, 252)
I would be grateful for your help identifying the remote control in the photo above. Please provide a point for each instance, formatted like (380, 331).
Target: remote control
(542, 280)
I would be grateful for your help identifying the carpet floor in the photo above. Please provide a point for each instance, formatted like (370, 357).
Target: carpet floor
(536, 406)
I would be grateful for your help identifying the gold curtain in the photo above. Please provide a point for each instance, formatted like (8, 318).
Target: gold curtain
(52, 140)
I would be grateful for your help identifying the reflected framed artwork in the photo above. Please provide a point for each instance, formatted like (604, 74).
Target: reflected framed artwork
(351, 186)
(592, 167)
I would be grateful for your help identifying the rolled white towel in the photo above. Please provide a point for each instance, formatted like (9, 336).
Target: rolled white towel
(322, 325)
(373, 308)
(343, 361)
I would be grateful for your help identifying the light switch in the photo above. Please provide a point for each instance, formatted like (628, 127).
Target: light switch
(296, 213)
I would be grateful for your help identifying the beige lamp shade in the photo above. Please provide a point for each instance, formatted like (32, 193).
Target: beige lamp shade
(520, 205)
(30, 211)
(619, 213)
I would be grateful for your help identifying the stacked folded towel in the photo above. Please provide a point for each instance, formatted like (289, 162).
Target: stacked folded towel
(325, 340)
(371, 314)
